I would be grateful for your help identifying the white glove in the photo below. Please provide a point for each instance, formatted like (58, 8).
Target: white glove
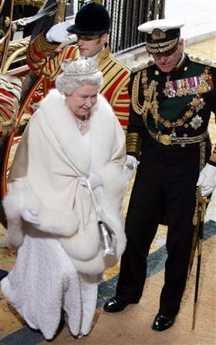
(31, 215)
(207, 179)
(130, 166)
(58, 32)
(131, 162)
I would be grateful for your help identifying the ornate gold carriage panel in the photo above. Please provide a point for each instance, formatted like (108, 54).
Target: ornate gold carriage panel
(17, 104)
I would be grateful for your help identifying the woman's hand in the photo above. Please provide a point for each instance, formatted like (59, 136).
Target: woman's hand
(31, 216)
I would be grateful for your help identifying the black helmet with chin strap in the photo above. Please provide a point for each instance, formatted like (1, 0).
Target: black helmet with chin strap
(91, 20)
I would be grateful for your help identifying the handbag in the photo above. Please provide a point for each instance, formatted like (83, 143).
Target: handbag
(107, 235)
(108, 238)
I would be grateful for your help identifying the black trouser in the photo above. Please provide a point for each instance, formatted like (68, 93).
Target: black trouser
(165, 183)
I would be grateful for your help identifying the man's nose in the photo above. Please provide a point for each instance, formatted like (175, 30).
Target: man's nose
(162, 59)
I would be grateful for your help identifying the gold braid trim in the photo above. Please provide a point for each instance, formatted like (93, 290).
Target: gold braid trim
(155, 48)
(151, 105)
(199, 212)
(162, 44)
(42, 45)
(138, 108)
(150, 101)
(7, 126)
(133, 143)
(213, 155)
(17, 44)
(34, 3)
(202, 60)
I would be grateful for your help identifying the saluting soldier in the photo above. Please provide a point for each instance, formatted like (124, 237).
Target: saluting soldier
(171, 102)
(92, 25)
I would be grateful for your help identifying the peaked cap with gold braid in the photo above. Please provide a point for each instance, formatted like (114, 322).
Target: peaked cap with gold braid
(162, 35)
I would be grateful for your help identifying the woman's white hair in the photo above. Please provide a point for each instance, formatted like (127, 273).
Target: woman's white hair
(76, 74)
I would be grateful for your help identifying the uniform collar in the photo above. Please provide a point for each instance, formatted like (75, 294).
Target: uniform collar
(181, 67)
(100, 57)
(180, 63)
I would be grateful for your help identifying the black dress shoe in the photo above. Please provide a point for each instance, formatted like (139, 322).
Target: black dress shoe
(115, 304)
(162, 322)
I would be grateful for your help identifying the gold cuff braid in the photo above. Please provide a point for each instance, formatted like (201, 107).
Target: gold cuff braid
(133, 143)
(6, 126)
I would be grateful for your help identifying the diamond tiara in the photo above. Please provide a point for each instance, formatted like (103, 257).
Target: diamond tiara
(79, 67)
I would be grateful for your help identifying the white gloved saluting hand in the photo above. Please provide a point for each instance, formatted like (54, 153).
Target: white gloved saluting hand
(207, 179)
(59, 33)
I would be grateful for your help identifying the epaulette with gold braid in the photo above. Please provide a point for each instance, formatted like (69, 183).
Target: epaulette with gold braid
(135, 94)
(202, 60)
(141, 66)
(115, 59)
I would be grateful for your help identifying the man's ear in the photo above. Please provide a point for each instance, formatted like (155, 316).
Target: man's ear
(105, 38)
(181, 43)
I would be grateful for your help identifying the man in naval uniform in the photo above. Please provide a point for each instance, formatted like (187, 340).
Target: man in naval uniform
(171, 102)
(92, 24)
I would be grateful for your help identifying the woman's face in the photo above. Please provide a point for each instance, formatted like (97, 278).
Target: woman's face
(81, 101)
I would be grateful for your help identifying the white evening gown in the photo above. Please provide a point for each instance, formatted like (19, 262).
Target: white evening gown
(44, 282)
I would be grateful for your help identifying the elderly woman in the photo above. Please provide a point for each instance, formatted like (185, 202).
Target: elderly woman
(71, 161)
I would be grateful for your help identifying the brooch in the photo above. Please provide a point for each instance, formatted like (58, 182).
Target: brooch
(196, 122)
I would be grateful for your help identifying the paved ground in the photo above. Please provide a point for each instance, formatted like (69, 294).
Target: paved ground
(198, 16)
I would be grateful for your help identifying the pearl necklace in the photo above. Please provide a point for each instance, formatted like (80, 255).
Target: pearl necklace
(82, 124)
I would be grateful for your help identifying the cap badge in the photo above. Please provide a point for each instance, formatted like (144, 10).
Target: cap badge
(158, 34)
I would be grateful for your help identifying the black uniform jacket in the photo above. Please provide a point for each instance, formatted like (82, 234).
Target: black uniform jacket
(170, 110)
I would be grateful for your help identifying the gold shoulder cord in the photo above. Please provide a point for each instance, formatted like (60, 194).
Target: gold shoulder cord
(149, 95)
(150, 103)
(135, 94)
